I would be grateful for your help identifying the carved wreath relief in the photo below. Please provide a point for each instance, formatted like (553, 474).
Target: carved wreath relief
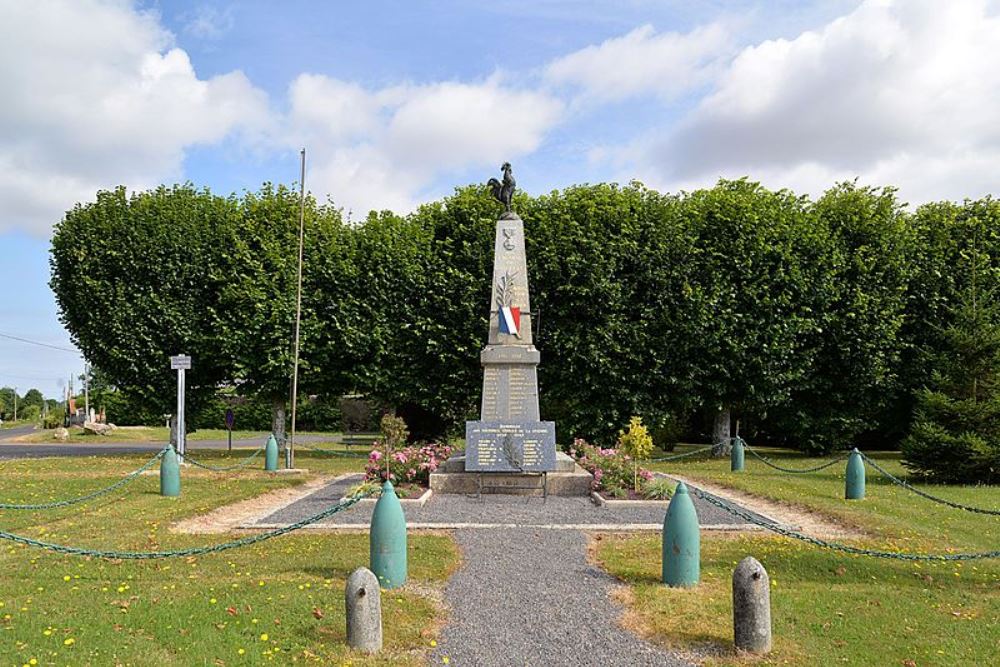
(508, 236)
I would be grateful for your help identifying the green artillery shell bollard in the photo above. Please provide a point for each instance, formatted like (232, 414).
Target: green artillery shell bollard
(855, 477)
(271, 454)
(387, 539)
(681, 541)
(170, 474)
(736, 456)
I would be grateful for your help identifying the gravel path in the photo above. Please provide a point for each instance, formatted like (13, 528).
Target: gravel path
(529, 597)
(458, 511)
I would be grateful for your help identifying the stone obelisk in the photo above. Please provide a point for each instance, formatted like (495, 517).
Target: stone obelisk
(509, 436)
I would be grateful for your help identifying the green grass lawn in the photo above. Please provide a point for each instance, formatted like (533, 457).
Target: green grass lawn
(279, 601)
(828, 607)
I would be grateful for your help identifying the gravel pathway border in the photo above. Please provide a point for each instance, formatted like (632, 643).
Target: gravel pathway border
(451, 511)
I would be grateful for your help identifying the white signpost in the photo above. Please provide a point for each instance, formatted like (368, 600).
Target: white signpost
(180, 363)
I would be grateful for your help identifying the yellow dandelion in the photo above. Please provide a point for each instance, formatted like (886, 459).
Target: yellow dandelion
(69, 641)
(263, 637)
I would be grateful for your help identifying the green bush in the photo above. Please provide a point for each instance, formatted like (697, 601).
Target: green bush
(54, 419)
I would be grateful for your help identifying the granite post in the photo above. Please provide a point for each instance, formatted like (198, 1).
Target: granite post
(364, 611)
(751, 607)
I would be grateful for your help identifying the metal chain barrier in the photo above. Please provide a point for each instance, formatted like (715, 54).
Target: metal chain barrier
(243, 463)
(90, 496)
(674, 457)
(909, 487)
(335, 452)
(795, 471)
(787, 532)
(193, 551)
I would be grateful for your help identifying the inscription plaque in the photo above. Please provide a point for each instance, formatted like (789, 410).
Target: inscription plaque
(514, 446)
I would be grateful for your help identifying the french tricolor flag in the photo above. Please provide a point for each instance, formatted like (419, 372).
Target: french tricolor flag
(510, 320)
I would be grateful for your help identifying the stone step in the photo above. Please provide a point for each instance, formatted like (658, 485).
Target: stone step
(564, 463)
(575, 483)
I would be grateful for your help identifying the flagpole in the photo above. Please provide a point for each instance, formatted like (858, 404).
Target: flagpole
(290, 450)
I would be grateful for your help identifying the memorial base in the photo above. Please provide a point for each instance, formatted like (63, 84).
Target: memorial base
(568, 479)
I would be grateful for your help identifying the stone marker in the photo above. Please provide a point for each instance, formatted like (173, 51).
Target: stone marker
(364, 611)
(751, 607)
(61, 434)
(97, 429)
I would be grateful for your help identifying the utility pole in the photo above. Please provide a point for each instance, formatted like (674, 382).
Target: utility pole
(86, 391)
(290, 449)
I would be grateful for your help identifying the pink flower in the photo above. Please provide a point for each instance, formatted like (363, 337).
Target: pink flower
(375, 455)
(411, 473)
(400, 457)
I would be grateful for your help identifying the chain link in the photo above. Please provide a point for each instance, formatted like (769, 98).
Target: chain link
(787, 532)
(243, 463)
(909, 487)
(193, 551)
(335, 452)
(90, 496)
(674, 457)
(795, 471)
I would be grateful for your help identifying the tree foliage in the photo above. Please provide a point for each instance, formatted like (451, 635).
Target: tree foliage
(137, 278)
(815, 322)
(955, 434)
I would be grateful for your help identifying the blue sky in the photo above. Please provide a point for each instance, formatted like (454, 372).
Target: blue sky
(398, 103)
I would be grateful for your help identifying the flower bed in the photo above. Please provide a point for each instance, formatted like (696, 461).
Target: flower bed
(615, 473)
(409, 465)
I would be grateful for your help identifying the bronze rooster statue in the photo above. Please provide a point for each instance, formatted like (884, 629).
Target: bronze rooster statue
(503, 192)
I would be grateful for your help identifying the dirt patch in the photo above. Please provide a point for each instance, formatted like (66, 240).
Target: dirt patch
(229, 517)
(803, 520)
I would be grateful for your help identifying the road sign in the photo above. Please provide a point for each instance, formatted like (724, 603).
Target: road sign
(230, 419)
(181, 362)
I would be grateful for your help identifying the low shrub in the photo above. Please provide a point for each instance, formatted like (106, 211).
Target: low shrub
(614, 471)
(659, 488)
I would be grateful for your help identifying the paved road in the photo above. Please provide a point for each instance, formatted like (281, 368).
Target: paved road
(7, 433)
(19, 450)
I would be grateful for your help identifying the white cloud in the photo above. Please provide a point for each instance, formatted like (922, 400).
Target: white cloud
(898, 93)
(95, 95)
(208, 22)
(383, 148)
(642, 62)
